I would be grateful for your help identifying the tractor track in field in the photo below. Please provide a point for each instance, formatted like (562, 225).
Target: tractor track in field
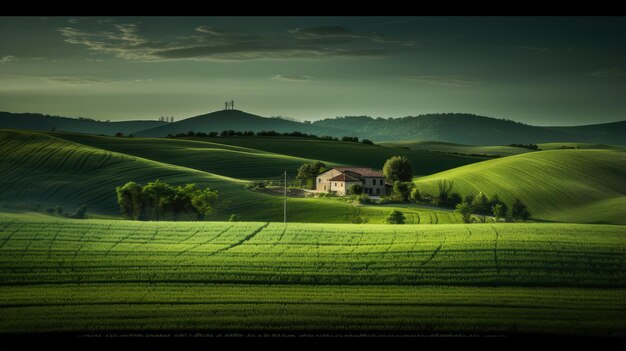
(117, 243)
(185, 239)
(54, 238)
(495, 250)
(434, 254)
(276, 243)
(206, 242)
(156, 232)
(246, 238)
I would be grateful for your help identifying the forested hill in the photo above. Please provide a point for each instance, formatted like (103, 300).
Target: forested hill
(472, 129)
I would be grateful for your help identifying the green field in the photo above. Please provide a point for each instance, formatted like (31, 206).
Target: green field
(584, 186)
(348, 153)
(90, 275)
(42, 169)
(553, 146)
(440, 146)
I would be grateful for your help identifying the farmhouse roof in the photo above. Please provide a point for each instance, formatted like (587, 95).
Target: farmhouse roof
(344, 178)
(363, 172)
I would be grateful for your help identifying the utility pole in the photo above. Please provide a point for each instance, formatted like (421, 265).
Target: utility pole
(285, 200)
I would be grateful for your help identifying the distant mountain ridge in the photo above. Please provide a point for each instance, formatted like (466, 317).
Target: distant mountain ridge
(473, 130)
(239, 121)
(37, 121)
(449, 127)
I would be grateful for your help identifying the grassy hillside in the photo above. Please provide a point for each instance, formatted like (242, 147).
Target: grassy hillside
(38, 168)
(223, 159)
(348, 153)
(556, 146)
(90, 275)
(458, 148)
(36, 121)
(561, 185)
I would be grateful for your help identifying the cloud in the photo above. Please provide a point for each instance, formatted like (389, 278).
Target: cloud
(211, 44)
(73, 20)
(209, 30)
(446, 80)
(79, 80)
(335, 32)
(8, 59)
(609, 73)
(341, 34)
(292, 78)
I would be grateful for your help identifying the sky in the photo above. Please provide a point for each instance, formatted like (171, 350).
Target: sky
(535, 70)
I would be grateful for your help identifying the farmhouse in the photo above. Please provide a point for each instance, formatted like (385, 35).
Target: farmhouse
(339, 179)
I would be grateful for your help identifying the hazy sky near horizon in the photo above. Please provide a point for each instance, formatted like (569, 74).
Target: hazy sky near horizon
(542, 71)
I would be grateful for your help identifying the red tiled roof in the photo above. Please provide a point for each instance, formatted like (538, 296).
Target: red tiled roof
(343, 178)
(363, 172)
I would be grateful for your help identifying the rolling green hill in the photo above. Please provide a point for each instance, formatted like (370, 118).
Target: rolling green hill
(348, 153)
(556, 146)
(39, 168)
(213, 157)
(585, 186)
(440, 146)
(37, 121)
(90, 276)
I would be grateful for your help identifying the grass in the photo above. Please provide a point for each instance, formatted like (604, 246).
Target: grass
(438, 146)
(231, 161)
(39, 168)
(348, 153)
(82, 276)
(584, 186)
(553, 146)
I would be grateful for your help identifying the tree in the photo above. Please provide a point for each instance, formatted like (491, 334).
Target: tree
(367, 141)
(416, 195)
(80, 212)
(481, 203)
(119, 134)
(395, 217)
(495, 200)
(519, 211)
(498, 211)
(130, 200)
(59, 210)
(308, 171)
(157, 196)
(465, 209)
(356, 189)
(203, 201)
(233, 218)
(444, 188)
(398, 168)
(402, 190)
(180, 200)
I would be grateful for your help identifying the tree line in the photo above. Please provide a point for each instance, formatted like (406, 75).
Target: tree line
(157, 200)
(248, 133)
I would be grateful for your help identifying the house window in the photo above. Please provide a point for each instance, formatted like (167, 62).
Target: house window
(381, 182)
(373, 181)
(341, 184)
(335, 184)
(377, 191)
(319, 180)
